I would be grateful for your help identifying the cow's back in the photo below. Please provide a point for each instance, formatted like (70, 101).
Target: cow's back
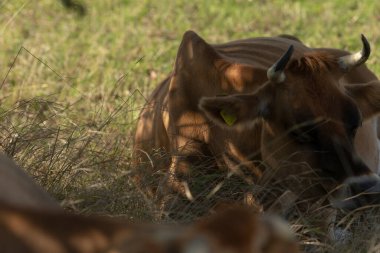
(261, 52)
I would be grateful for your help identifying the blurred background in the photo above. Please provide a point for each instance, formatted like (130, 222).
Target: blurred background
(75, 74)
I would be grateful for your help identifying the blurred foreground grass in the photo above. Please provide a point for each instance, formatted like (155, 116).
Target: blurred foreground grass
(70, 100)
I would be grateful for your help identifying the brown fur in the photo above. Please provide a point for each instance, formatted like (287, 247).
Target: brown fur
(313, 63)
(31, 228)
(314, 88)
(237, 229)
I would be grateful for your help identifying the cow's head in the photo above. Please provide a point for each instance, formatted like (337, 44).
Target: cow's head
(309, 117)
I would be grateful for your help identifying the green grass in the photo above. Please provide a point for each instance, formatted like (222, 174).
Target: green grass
(70, 122)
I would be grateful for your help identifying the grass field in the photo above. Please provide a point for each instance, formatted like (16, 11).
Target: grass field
(72, 86)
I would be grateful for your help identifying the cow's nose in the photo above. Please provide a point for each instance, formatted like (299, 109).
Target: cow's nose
(360, 191)
(364, 183)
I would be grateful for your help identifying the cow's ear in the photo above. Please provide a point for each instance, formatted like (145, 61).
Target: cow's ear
(235, 110)
(194, 52)
(367, 97)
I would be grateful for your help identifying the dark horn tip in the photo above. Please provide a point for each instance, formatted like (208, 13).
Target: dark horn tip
(366, 47)
(280, 65)
(290, 50)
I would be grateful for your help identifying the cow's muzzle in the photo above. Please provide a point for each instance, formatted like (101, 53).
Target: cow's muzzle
(358, 192)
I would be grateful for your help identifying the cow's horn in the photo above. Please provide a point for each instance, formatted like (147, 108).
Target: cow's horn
(349, 61)
(276, 72)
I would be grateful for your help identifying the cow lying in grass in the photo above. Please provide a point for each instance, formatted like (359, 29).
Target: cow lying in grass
(270, 110)
(31, 222)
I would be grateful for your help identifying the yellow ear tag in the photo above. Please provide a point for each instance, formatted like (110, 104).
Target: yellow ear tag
(228, 117)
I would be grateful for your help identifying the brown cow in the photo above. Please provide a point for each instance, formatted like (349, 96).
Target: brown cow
(32, 222)
(306, 111)
(234, 230)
